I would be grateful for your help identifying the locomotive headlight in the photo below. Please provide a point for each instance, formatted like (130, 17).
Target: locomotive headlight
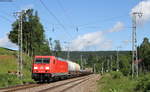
(47, 68)
(35, 67)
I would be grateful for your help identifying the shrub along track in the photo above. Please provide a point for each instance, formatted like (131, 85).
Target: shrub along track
(32, 87)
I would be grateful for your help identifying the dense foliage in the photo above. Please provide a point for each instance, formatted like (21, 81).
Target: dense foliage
(103, 61)
(144, 55)
(143, 84)
(115, 82)
(34, 42)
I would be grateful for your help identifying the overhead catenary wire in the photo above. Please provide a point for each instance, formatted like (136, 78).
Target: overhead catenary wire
(66, 15)
(64, 10)
(103, 20)
(55, 17)
(6, 19)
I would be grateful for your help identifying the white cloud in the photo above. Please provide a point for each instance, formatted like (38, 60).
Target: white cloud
(117, 27)
(5, 42)
(126, 42)
(143, 7)
(106, 45)
(95, 39)
(86, 40)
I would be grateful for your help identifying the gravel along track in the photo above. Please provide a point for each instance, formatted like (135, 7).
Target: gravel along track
(65, 86)
(86, 86)
(19, 87)
(54, 87)
(59, 86)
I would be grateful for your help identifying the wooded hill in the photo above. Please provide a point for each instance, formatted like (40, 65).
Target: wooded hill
(76, 55)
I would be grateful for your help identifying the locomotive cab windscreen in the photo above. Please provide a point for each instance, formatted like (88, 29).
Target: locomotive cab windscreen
(41, 64)
(42, 60)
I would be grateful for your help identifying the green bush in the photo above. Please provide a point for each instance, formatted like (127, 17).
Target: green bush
(116, 75)
(9, 80)
(125, 71)
(143, 84)
(28, 81)
(115, 82)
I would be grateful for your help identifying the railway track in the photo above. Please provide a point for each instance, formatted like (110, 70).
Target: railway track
(71, 84)
(66, 89)
(59, 86)
(19, 87)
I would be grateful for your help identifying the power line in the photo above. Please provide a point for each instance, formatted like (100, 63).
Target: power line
(64, 10)
(53, 15)
(6, 19)
(66, 15)
(103, 20)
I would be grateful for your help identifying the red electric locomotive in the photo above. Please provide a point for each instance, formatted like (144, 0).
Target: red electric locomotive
(46, 68)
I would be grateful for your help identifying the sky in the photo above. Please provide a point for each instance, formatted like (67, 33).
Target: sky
(86, 25)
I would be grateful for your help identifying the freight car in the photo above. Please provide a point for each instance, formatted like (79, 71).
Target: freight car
(47, 68)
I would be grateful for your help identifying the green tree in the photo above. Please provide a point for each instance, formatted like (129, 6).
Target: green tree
(125, 64)
(144, 53)
(34, 42)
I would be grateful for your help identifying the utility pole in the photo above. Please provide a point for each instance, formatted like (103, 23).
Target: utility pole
(51, 45)
(20, 44)
(134, 44)
(81, 62)
(68, 52)
(94, 68)
(117, 59)
(108, 65)
(102, 67)
(111, 62)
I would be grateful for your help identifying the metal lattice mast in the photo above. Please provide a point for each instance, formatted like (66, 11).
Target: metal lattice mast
(81, 58)
(21, 40)
(68, 53)
(20, 43)
(134, 44)
(68, 49)
(117, 59)
(102, 67)
(17, 14)
(111, 63)
(108, 65)
(19, 48)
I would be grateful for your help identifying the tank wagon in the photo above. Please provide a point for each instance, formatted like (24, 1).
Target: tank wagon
(47, 68)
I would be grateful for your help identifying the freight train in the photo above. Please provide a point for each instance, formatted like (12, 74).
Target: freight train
(48, 68)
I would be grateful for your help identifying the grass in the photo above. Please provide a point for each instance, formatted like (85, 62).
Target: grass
(8, 62)
(5, 51)
(110, 83)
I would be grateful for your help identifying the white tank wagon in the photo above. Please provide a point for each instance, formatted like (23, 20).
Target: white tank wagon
(73, 68)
